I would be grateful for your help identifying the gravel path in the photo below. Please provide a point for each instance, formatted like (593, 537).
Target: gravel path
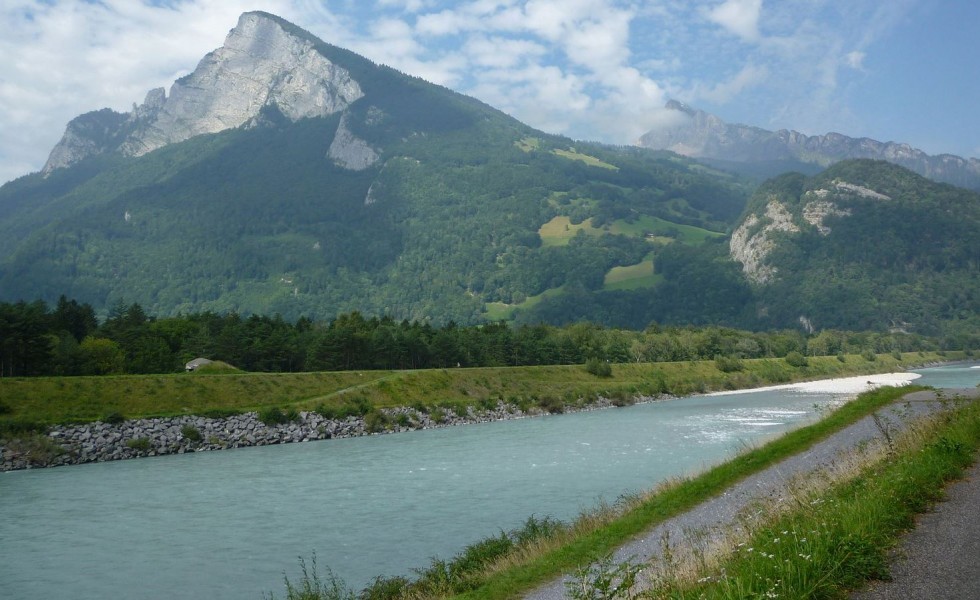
(710, 521)
(940, 558)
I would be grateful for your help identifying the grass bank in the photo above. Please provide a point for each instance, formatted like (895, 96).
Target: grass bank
(55, 400)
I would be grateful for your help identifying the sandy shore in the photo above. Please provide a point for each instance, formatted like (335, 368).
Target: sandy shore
(841, 385)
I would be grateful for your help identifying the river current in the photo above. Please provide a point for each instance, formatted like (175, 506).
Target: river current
(228, 524)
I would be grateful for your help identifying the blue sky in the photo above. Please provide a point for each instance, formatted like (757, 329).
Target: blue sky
(893, 70)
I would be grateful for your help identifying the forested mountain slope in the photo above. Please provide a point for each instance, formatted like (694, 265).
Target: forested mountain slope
(376, 192)
(863, 245)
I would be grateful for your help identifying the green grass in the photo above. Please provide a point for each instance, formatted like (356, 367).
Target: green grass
(51, 400)
(632, 277)
(686, 234)
(501, 311)
(560, 230)
(592, 161)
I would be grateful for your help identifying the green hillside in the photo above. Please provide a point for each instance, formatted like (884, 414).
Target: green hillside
(896, 251)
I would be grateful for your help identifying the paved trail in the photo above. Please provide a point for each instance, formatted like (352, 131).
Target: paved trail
(710, 521)
(940, 558)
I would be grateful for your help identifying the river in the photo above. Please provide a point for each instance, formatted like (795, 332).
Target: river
(226, 525)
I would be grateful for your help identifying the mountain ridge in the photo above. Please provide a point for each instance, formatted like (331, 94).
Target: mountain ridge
(702, 135)
(410, 200)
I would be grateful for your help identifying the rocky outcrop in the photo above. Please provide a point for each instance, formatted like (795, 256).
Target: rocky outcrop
(349, 151)
(261, 66)
(698, 134)
(753, 240)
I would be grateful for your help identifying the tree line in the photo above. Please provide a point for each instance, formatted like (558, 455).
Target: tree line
(68, 339)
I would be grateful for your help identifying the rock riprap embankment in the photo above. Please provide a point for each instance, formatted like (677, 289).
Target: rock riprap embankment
(99, 441)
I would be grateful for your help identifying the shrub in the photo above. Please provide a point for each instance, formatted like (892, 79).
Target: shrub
(191, 433)
(38, 448)
(139, 444)
(896, 355)
(327, 412)
(795, 359)
(841, 357)
(276, 416)
(869, 355)
(4, 409)
(113, 418)
(552, 404)
(598, 367)
(728, 364)
(356, 406)
(375, 421)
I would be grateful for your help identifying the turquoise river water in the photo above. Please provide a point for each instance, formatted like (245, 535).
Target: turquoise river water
(227, 525)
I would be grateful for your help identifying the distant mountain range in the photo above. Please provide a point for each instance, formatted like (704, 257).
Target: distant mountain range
(761, 152)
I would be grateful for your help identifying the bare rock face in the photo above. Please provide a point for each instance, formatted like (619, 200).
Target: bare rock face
(260, 66)
(752, 241)
(698, 134)
(349, 151)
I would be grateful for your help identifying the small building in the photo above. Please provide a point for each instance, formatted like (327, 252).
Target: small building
(196, 363)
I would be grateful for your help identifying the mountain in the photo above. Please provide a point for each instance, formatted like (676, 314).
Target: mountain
(862, 245)
(287, 175)
(760, 152)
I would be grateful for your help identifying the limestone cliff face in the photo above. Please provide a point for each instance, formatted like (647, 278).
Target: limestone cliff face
(260, 66)
(755, 238)
(703, 135)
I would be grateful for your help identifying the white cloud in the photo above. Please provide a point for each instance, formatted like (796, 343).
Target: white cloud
(740, 17)
(855, 60)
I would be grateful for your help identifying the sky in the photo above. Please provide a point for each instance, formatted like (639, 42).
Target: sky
(893, 70)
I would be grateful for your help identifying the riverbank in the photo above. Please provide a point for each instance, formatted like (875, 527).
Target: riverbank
(137, 438)
(355, 404)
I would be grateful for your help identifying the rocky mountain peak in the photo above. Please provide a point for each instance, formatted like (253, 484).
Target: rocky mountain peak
(261, 65)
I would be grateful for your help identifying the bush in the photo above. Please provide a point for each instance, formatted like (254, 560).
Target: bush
(795, 359)
(869, 355)
(357, 406)
(841, 357)
(191, 433)
(552, 404)
(38, 448)
(113, 418)
(375, 421)
(598, 367)
(139, 444)
(276, 416)
(728, 364)
(4, 409)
